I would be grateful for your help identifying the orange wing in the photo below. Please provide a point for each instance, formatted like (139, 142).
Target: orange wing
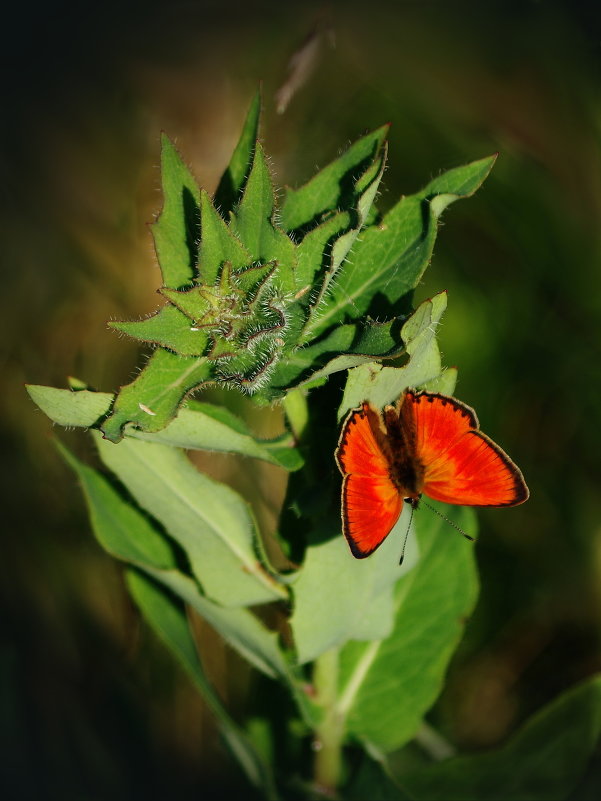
(462, 465)
(371, 503)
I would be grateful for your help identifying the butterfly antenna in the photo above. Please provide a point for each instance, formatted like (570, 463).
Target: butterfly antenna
(450, 522)
(407, 535)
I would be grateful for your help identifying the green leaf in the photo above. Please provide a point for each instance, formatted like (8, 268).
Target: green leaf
(390, 257)
(363, 200)
(233, 179)
(153, 398)
(218, 244)
(81, 408)
(444, 383)
(345, 347)
(382, 385)
(169, 328)
(213, 428)
(237, 625)
(119, 527)
(329, 189)
(357, 594)
(430, 606)
(127, 533)
(168, 619)
(205, 427)
(542, 762)
(177, 231)
(209, 520)
(253, 222)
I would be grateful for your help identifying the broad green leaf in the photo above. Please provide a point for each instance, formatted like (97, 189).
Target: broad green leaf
(119, 526)
(81, 408)
(153, 398)
(541, 762)
(357, 594)
(203, 427)
(169, 328)
(168, 619)
(382, 385)
(391, 256)
(209, 520)
(329, 189)
(177, 231)
(233, 179)
(430, 606)
(128, 534)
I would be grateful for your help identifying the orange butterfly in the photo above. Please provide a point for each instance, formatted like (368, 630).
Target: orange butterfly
(426, 443)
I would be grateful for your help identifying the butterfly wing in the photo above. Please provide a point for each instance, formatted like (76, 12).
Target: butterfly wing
(371, 503)
(461, 464)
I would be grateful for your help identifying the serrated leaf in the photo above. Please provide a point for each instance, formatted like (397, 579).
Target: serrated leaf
(542, 762)
(431, 603)
(329, 189)
(390, 257)
(218, 244)
(233, 179)
(205, 427)
(209, 520)
(153, 398)
(213, 428)
(82, 408)
(168, 619)
(363, 200)
(357, 594)
(169, 328)
(382, 385)
(177, 231)
(345, 347)
(252, 221)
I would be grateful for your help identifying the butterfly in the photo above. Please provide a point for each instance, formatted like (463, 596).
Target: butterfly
(425, 443)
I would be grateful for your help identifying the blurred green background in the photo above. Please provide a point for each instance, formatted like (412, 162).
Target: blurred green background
(91, 707)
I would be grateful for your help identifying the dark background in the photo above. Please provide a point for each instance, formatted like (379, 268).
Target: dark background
(91, 707)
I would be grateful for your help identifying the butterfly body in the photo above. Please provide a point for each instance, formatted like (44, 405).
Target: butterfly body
(425, 443)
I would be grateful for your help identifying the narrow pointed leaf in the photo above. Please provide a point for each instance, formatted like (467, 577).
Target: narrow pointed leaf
(391, 256)
(329, 189)
(168, 619)
(233, 179)
(177, 231)
(121, 529)
(169, 328)
(218, 244)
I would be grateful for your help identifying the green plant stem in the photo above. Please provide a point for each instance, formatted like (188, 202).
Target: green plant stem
(329, 733)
